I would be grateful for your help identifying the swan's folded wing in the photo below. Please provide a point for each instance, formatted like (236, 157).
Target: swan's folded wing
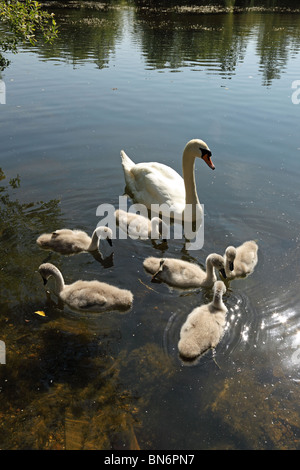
(92, 301)
(90, 305)
(158, 183)
(84, 295)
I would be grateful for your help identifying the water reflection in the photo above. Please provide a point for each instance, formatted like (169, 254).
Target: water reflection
(174, 37)
(99, 29)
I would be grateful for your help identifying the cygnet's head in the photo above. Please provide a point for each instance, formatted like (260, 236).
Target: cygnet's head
(200, 149)
(230, 253)
(46, 270)
(162, 266)
(218, 262)
(105, 233)
(219, 288)
(219, 291)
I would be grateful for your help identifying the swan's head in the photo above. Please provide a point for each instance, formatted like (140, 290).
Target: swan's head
(201, 150)
(218, 262)
(230, 254)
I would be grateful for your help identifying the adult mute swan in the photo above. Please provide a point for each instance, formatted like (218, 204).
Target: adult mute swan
(183, 274)
(240, 261)
(204, 326)
(66, 241)
(138, 226)
(87, 296)
(156, 183)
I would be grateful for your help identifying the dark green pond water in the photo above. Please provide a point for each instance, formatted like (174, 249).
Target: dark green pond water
(147, 80)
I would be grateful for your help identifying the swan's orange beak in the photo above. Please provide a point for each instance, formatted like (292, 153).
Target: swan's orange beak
(208, 161)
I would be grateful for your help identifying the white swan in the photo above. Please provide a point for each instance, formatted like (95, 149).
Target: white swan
(156, 183)
(66, 241)
(240, 261)
(87, 296)
(204, 326)
(183, 274)
(138, 226)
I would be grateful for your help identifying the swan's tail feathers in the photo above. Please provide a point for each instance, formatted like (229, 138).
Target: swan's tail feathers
(127, 163)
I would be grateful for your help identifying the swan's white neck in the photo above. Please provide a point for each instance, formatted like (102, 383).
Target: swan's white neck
(191, 196)
(188, 170)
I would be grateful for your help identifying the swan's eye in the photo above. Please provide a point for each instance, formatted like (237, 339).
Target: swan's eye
(205, 152)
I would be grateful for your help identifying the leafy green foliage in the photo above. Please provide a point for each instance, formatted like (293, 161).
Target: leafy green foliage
(24, 20)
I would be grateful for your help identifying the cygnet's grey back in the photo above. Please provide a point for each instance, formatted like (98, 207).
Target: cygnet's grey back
(64, 241)
(204, 326)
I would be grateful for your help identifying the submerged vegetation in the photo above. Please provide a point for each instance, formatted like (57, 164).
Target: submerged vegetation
(19, 223)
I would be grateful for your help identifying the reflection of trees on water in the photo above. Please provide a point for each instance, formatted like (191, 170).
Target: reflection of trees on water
(219, 41)
(176, 37)
(212, 42)
(275, 45)
(218, 5)
(85, 33)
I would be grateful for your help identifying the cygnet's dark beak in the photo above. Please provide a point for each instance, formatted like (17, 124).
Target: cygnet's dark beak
(44, 280)
(109, 241)
(153, 279)
(231, 267)
(222, 271)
